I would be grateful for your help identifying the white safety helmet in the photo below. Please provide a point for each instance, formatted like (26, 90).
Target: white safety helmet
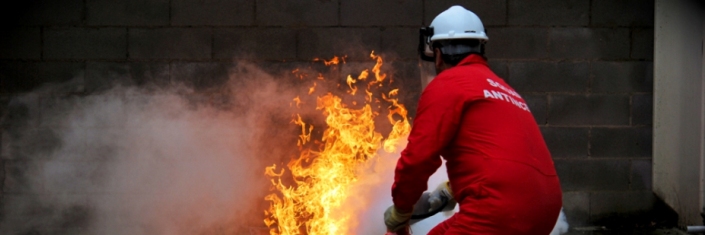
(454, 23)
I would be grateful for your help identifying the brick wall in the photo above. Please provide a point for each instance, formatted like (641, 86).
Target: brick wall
(585, 67)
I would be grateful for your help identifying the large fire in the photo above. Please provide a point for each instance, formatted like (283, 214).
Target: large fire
(325, 170)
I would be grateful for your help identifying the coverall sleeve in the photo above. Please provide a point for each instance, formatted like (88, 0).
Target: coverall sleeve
(438, 117)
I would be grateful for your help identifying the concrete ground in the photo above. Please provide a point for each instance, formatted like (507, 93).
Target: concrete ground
(573, 231)
(590, 231)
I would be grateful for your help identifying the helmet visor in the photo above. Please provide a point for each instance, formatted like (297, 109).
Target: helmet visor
(425, 50)
(427, 72)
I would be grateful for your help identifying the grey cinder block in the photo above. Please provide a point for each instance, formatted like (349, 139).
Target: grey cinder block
(576, 206)
(491, 12)
(381, 13)
(85, 43)
(20, 115)
(549, 76)
(356, 43)
(590, 175)
(297, 13)
(500, 68)
(622, 76)
(258, 43)
(622, 13)
(4, 101)
(605, 205)
(625, 142)
(20, 43)
(405, 76)
(641, 174)
(17, 77)
(402, 42)
(283, 69)
(127, 12)
(517, 43)
(642, 44)
(588, 110)
(104, 75)
(538, 104)
(2, 174)
(150, 73)
(212, 12)
(642, 109)
(589, 43)
(549, 12)
(566, 142)
(199, 75)
(48, 13)
(170, 43)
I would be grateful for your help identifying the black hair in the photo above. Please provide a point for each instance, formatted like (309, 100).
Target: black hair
(456, 58)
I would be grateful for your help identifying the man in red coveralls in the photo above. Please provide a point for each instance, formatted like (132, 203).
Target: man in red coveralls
(499, 168)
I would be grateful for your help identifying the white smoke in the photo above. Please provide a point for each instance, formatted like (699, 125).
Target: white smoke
(133, 160)
(561, 225)
(373, 196)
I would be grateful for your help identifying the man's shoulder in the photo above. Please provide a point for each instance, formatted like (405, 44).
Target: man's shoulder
(463, 74)
(455, 82)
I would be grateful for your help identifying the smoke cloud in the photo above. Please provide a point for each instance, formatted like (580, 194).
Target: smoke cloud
(144, 160)
(372, 197)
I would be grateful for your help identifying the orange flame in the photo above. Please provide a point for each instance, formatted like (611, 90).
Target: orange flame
(299, 74)
(297, 101)
(350, 80)
(322, 178)
(312, 89)
(379, 76)
(334, 61)
(363, 75)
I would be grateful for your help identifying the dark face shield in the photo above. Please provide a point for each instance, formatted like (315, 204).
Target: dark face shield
(426, 70)
(425, 49)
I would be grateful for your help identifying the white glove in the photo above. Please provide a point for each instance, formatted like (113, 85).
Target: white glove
(441, 192)
(395, 220)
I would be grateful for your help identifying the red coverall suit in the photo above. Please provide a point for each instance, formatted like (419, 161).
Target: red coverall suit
(499, 168)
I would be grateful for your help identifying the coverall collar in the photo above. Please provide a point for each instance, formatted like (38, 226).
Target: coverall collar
(473, 59)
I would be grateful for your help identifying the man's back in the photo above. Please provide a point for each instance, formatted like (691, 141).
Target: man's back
(498, 164)
(500, 170)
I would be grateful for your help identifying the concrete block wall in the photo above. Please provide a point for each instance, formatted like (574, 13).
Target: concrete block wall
(584, 66)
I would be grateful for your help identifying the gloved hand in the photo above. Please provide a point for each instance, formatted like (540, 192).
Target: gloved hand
(395, 220)
(442, 191)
